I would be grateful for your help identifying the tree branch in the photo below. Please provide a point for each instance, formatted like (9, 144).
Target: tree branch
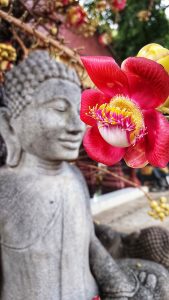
(42, 37)
(147, 195)
(20, 42)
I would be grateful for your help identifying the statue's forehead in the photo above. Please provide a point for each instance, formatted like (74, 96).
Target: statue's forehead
(57, 88)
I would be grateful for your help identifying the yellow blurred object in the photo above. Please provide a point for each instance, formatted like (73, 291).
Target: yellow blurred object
(163, 199)
(7, 56)
(4, 3)
(4, 65)
(159, 209)
(154, 204)
(143, 15)
(7, 52)
(147, 170)
(53, 30)
(157, 53)
(161, 55)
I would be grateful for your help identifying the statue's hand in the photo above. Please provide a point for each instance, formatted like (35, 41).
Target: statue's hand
(149, 281)
(146, 290)
(128, 279)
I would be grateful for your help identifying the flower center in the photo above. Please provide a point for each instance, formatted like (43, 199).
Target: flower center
(120, 122)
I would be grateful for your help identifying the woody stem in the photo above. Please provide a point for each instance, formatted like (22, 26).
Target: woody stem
(121, 178)
(39, 35)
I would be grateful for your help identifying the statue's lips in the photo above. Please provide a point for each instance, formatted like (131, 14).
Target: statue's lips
(70, 143)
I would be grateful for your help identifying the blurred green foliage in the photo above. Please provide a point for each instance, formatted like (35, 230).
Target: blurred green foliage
(133, 34)
(134, 28)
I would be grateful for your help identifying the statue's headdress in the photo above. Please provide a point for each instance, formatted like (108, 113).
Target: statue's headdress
(23, 79)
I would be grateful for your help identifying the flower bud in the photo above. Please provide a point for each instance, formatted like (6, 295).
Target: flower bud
(161, 55)
(157, 53)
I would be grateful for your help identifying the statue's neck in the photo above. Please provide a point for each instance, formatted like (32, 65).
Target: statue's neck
(40, 166)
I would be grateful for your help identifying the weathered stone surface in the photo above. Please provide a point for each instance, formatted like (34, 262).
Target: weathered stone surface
(45, 235)
(153, 279)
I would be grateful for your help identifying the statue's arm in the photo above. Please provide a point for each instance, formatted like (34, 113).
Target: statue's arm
(112, 281)
(110, 278)
(122, 280)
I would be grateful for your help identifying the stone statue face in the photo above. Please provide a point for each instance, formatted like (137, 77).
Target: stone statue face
(50, 127)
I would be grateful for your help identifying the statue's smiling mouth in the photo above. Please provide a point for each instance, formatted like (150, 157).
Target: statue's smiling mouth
(70, 143)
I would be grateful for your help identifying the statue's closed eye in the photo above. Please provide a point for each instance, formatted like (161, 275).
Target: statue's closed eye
(59, 105)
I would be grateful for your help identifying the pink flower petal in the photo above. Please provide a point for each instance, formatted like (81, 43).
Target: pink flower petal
(91, 98)
(135, 156)
(99, 150)
(148, 81)
(106, 75)
(157, 139)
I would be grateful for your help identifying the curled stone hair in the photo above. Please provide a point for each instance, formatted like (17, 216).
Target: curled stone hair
(23, 79)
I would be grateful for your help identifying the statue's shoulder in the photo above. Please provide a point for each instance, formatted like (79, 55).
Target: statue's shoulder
(7, 179)
(5, 173)
(7, 189)
(81, 180)
(10, 179)
(77, 173)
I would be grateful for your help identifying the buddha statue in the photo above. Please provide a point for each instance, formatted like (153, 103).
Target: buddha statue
(48, 247)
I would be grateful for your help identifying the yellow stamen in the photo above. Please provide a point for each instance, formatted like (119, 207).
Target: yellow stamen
(128, 108)
(122, 113)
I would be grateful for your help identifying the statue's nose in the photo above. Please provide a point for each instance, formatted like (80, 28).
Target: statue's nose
(75, 125)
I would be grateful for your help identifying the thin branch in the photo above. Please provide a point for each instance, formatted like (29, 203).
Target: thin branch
(47, 40)
(26, 8)
(20, 42)
(119, 177)
(151, 4)
(35, 3)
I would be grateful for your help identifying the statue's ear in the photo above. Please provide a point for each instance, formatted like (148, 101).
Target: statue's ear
(10, 139)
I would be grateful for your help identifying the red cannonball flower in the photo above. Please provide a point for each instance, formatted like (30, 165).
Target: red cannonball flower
(76, 15)
(121, 113)
(119, 4)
